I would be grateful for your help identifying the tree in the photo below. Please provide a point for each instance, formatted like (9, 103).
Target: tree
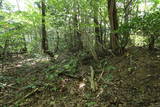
(44, 32)
(97, 30)
(148, 25)
(1, 3)
(112, 14)
(78, 44)
(124, 28)
(126, 19)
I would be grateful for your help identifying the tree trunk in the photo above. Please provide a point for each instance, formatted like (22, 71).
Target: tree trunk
(24, 49)
(4, 53)
(151, 43)
(97, 35)
(44, 32)
(112, 13)
(97, 30)
(126, 18)
(78, 44)
(126, 35)
(1, 1)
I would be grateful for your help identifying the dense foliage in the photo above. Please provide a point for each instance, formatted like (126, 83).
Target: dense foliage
(75, 24)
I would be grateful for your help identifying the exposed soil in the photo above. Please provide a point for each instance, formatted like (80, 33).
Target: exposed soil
(132, 80)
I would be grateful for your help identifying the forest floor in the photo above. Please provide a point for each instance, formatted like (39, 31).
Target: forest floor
(132, 80)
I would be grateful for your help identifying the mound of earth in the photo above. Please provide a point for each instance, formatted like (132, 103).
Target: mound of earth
(132, 80)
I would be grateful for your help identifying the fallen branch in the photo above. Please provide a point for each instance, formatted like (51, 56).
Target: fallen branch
(9, 86)
(100, 77)
(17, 102)
(69, 76)
(26, 96)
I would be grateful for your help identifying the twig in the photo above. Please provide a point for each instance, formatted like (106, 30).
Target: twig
(69, 76)
(101, 74)
(5, 96)
(9, 86)
(29, 94)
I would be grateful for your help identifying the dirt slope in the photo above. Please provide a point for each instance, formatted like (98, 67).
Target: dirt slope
(134, 82)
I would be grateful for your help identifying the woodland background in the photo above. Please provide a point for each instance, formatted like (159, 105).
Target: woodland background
(106, 52)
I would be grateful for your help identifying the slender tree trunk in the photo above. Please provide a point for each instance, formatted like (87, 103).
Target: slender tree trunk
(126, 35)
(44, 32)
(78, 44)
(97, 30)
(18, 5)
(97, 34)
(126, 18)
(0, 3)
(112, 13)
(101, 33)
(57, 45)
(5, 49)
(137, 10)
(24, 50)
(145, 6)
(98, 41)
(151, 42)
(4, 53)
